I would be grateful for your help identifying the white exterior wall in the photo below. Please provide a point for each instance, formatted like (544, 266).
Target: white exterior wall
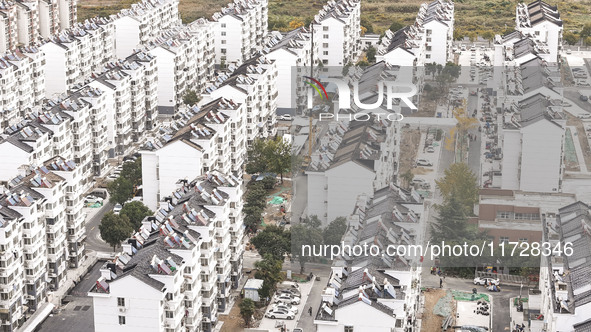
(511, 157)
(55, 69)
(127, 36)
(166, 76)
(345, 183)
(360, 315)
(438, 43)
(335, 38)
(234, 39)
(13, 158)
(541, 160)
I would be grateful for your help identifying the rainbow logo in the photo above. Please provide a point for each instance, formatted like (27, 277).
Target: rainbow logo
(317, 84)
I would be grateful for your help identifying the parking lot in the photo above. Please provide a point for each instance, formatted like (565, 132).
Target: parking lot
(270, 324)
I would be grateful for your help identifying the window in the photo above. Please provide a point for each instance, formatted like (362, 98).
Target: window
(429, 31)
(522, 239)
(504, 239)
(169, 314)
(537, 33)
(223, 41)
(324, 28)
(223, 51)
(428, 56)
(223, 33)
(325, 45)
(428, 39)
(223, 25)
(399, 323)
(325, 62)
(428, 48)
(503, 214)
(324, 52)
(348, 328)
(121, 320)
(120, 302)
(325, 36)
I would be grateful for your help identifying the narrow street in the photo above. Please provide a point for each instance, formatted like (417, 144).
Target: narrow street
(93, 240)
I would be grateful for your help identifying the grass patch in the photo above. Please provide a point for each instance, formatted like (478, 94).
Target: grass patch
(472, 17)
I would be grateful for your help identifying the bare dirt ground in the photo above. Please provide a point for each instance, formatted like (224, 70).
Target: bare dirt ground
(408, 149)
(432, 322)
(233, 322)
(582, 137)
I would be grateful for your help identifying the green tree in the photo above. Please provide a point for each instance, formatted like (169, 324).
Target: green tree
(366, 22)
(461, 184)
(395, 26)
(247, 309)
(120, 190)
(132, 171)
(570, 38)
(406, 178)
(307, 233)
(191, 98)
(371, 54)
(333, 233)
(274, 241)
(268, 182)
(136, 211)
(115, 228)
(452, 223)
(585, 32)
(269, 270)
(272, 155)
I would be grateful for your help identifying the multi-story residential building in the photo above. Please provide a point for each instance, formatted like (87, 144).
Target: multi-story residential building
(515, 49)
(68, 14)
(337, 27)
(185, 62)
(206, 138)
(26, 144)
(376, 293)
(291, 53)
(437, 20)
(240, 29)
(23, 75)
(147, 62)
(207, 209)
(116, 85)
(8, 26)
(404, 47)
(72, 55)
(254, 84)
(516, 216)
(564, 298)
(542, 22)
(49, 19)
(143, 22)
(532, 145)
(98, 103)
(27, 21)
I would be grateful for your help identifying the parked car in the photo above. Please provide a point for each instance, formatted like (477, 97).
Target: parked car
(290, 291)
(424, 162)
(286, 117)
(583, 96)
(93, 199)
(280, 314)
(286, 298)
(568, 52)
(286, 306)
(430, 149)
(117, 208)
(298, 330)
(486, 281)
(418, 181)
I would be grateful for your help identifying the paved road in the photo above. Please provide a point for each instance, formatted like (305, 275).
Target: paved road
(474, 153)
(93, 241)
(300, 200)
(572, 95)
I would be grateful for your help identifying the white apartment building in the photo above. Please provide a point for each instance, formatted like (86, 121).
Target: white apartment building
(23, 75)
(239, 30)
(97, 101)
(144, 21)
(405, 47)
(206, 138)
(26, 144)
(542, 22)
(72, 55)
(185, 58)
(516, 49)
(338, 30)
(437, 20)
(376, 293)
(254, 84)
(8, 26)
(27, 21)
(532, 145)
(49, 19)
(207, 209)
(116, 85)
(563, 296)
(291, 53)
(150, 85)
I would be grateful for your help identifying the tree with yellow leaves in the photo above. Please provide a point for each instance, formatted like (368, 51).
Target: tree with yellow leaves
(464, 124)
(296, 23)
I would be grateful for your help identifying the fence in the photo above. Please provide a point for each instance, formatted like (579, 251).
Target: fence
(504, 278)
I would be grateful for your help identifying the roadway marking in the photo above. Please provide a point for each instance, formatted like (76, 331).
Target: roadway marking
(92, 228)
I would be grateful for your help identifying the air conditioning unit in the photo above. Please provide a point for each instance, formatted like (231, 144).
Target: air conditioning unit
(122, 309)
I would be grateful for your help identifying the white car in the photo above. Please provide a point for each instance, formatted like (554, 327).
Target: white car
(486, 281)
(93, 199)
(286, 306)
(424, 162)
(418, 181)
(286, 117)
(117, 208)
(286, 298)
(430, 149)
(280, 314)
